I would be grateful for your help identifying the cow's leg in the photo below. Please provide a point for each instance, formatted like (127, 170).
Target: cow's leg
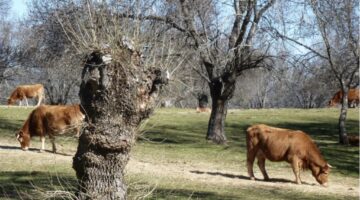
(20, 102)
(39, 100)
(52, 139)
(42, 139)
(261, 163)
(251, 153)
(77, 130)
(296, 169)
(26, 101)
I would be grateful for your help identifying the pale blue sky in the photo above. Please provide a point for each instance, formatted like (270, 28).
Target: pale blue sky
(18, 9)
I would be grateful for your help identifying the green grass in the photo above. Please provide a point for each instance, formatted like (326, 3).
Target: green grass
(176, 137)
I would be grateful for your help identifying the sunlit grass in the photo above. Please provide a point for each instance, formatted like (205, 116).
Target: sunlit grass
(177, 137)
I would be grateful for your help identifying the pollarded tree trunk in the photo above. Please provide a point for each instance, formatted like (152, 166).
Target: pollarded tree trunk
(116, 97)
(221, 91)
(216, 127)
(343, 139)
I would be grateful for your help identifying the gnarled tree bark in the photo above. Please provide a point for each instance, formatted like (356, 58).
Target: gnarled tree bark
(115, 97)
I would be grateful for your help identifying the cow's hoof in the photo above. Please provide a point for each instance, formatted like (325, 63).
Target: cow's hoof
(325, 185)
(41, 151)
(252, 178)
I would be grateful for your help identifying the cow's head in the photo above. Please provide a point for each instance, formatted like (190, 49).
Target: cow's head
(10, 101)
(321, 175)
(24, 140)
(332, 103)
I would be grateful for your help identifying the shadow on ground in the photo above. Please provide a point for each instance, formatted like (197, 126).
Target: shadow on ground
(3, 147)
(24, 184)
(227, 175)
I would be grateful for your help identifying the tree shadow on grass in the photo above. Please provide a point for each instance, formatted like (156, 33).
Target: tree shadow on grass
(164, 193)
(26, 184)
(10, 126)
(248, 193)
(227, 175)
(3, 147)
(233, 176)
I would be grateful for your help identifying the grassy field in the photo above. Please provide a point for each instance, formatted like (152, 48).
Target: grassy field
(172, 160)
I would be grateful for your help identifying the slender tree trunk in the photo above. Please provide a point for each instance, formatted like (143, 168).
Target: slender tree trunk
(343, 139)
(115, 97)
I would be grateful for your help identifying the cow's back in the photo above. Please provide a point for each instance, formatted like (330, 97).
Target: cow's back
(353, 95)
(337, 97)
(279, 144)
(33, 90)
(60, 118)
(50, 120)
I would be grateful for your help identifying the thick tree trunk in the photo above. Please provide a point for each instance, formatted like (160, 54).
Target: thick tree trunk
(221, 90)
(216, 126)
(202, 100)
(343, 139)
(115, 97)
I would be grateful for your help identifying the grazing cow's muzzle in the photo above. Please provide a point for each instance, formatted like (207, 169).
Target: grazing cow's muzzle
(24, 140)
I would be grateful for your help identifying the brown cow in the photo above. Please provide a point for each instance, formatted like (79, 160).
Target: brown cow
(353, 98)
(51, 121)
(204, 109)
(353, 140)
(22, 92)
(292, 146)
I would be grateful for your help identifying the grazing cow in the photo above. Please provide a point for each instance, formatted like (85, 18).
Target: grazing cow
(353, 140)
(51, 121)
(204, 109)
(353, 98)
(293, 146)
(22, 92)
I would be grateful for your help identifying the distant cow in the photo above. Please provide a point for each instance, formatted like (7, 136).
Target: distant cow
(200, 110)
(22, 92)
(292, 146)
(353, 98)
(353, 140)
(51, 121)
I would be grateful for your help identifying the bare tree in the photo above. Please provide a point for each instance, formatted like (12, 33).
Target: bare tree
(342, 56)
(223, 53)
(4, 8)
(5, 38)
(337, 23)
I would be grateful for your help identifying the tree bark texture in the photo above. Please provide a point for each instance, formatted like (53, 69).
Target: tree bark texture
(115, 97)
(216, 127)
(221, 91)
(343, 139)
(202, 100)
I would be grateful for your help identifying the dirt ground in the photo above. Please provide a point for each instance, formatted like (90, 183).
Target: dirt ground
(203, 173)
(213, 175)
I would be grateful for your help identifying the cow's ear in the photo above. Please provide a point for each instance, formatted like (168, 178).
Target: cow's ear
(327, 168)
(20, 134)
